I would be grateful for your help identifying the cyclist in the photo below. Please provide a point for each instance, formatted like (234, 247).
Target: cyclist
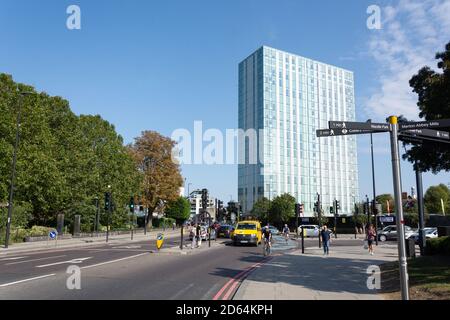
(286, 232)
(267, 235)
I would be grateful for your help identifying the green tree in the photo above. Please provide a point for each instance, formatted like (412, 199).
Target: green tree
(433, 90)
(261, 209)
(64, 161)
(433, 196)
(179, 209)
(282, 208)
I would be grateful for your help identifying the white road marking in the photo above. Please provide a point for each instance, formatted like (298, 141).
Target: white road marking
(73, 261)
(127, 247)
(25, 261)
(112, 261)
(25, 280)
(12, 258)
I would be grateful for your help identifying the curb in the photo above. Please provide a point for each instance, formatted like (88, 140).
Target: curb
(85, 243)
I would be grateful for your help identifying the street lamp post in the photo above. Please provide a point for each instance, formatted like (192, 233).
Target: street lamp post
(13, 171)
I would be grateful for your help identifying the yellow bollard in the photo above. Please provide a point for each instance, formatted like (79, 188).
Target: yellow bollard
(159, 240)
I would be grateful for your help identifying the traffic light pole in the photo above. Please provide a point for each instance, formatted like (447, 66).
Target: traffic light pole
(399, 208)
(319, 214)
(108, 216)
(335, 218)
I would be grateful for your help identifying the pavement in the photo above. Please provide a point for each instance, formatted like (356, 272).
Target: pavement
(292, 275)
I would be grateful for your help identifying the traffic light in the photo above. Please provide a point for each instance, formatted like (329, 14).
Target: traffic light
(338, 205)
(220, 204)
(132, 204)
(204, 198)
(331, 209)
(316, 207)
(301, 208)
(297, 209)
(107, 201)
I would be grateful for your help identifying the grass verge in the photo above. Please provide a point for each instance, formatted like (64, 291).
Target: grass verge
(429, 278)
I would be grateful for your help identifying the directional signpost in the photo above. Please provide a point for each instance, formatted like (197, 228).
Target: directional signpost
(53, 235)
(408, 131)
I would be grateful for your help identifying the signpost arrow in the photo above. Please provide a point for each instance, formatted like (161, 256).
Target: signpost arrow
(434, 124)
(430, 133)
(342, 132)
(358, 126)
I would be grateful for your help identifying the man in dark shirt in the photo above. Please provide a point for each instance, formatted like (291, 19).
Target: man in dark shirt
(325, 234)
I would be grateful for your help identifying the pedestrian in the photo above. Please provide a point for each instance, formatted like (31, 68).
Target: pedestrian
(371, 234)
(173, 226)
(325, 234)
(192, 232)
(199, 235)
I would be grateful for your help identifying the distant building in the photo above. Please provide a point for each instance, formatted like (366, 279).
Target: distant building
(195, 199)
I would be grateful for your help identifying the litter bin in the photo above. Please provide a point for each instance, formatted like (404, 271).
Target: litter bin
(410, 247)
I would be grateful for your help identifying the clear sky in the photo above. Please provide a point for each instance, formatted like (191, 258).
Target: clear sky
(161, 65)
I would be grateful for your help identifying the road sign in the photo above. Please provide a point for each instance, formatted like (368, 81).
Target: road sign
(342, 132)
(430, 133)
(371, 126)
(159, 240)
(52, 234)
(434, 124)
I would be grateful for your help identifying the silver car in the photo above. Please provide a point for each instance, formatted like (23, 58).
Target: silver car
(390, 233)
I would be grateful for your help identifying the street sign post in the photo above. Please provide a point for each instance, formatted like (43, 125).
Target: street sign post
(399, 208)
(53, 235)
(358, 125)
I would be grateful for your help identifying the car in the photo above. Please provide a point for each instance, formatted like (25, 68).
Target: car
(274, 230)
(247, 232)
(429, 234)
(390, 233)
(311, 230)
(225, 231)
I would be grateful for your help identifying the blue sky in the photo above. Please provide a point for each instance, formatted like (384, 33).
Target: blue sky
(161, 65)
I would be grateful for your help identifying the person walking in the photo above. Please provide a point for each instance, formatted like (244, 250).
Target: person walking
(325, 234)
(192, 232)
(371, 234)
(199, 235)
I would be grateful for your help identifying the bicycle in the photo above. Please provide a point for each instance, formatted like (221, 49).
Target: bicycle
(286, 237)
(267, 247)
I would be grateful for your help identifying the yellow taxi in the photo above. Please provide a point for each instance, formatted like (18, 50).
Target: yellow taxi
(247, 232)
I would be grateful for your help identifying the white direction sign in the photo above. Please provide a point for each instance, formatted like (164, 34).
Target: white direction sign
(371, 126)
(341, 132)
(430, 133)
(433, 124)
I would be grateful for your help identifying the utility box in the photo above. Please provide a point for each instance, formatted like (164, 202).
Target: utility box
(60, 223)
(410, 247)
(76, 224)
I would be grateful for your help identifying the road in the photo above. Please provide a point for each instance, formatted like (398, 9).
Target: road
(135, 271)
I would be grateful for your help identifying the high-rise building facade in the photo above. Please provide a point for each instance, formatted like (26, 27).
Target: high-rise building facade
(285, 98)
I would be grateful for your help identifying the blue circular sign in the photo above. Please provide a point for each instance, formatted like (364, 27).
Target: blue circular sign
(52, 234)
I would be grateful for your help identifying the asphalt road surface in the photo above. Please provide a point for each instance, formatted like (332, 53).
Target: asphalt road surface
(135, 271)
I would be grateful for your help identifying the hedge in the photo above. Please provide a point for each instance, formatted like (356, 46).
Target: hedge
(439, 246)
